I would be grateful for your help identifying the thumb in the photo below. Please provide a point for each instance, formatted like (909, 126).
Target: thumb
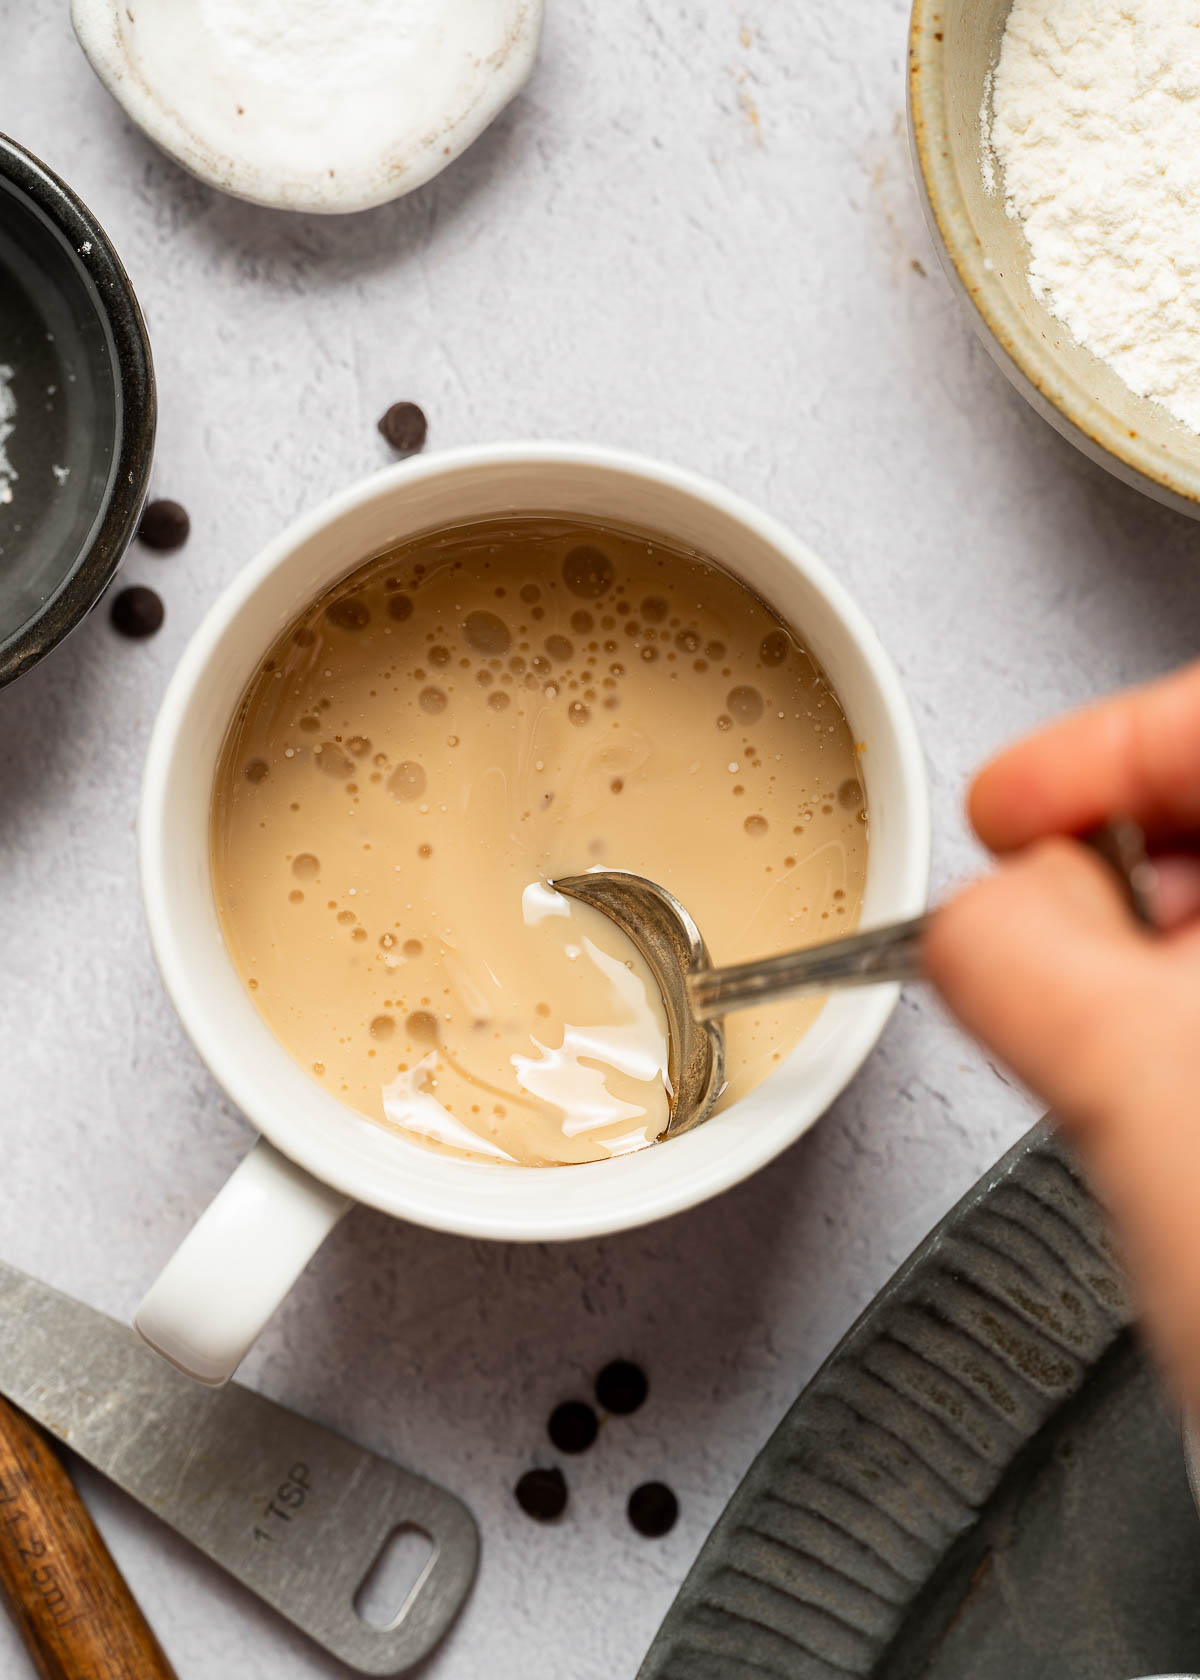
(1038, 961)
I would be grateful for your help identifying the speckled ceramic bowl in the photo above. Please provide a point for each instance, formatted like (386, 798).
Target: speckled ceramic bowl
(952, 46)
(76, 410)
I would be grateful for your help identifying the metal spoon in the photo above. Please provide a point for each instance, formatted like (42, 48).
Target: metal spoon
(696, 995)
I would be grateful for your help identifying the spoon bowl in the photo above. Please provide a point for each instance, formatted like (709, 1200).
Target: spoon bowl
(658, 925)
(696, 994)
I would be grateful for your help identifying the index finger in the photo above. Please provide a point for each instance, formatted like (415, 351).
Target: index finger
(1136, 755)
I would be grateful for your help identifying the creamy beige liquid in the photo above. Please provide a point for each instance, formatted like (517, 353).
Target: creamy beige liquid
(460, 722)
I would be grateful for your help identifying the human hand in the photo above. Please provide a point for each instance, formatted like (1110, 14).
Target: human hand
(1044, 963)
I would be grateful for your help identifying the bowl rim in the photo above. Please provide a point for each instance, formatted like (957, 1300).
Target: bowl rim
(1051, 389)
(120, 509)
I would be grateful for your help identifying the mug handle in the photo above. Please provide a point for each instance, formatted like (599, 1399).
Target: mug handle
(236, 1264)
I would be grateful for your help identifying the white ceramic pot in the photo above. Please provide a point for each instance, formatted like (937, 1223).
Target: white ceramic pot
(303, 105)
(318, 1156)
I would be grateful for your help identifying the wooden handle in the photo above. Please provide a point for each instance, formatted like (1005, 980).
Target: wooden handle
(79, 1618)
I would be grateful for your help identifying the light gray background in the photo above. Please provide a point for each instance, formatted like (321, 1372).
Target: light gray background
(696, 235)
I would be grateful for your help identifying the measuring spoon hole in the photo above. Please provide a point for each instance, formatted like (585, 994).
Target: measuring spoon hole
(401, 1565)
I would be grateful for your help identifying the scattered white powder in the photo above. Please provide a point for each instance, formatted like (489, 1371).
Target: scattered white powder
(1096, 124)
(8, 420)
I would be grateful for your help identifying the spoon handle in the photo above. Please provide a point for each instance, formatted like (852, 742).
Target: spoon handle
(863, 959)
(891, 953)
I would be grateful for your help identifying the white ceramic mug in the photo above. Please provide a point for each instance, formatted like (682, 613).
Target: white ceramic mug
(316, 1156)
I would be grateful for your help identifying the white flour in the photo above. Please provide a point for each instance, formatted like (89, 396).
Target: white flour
(8, 420)
(1096, 123)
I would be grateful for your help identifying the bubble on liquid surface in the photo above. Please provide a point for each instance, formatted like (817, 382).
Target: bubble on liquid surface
(687, 641)
(851, 796)
(359, 745)
(330, 758)
(745, 704)
(432, 700)
(582, 622)
(530, 593)
(257, 771)
(422, 1027)
(498, 701)
(310, 724)
(307, 866)
(439, 656)
(588, 572)
(486, 633)
(383, 1026)
(774, 647)
(407, 780)
(412, 947)
(654, 609)
(558, 647)
(400, 607)
(755, 826)
(349, 613)
(578, 712)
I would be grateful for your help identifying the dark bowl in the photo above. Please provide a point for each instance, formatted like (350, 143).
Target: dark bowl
(77, 410)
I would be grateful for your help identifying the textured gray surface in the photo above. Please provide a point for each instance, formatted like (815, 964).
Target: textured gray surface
(925, 1483)
(673, 241)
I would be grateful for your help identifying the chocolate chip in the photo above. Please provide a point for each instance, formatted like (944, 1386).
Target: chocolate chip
(573, 1426)
(137, 611)
(405, 427)
(653, 1509)
(542, 1494)
(165, 525)
(621, 1387)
